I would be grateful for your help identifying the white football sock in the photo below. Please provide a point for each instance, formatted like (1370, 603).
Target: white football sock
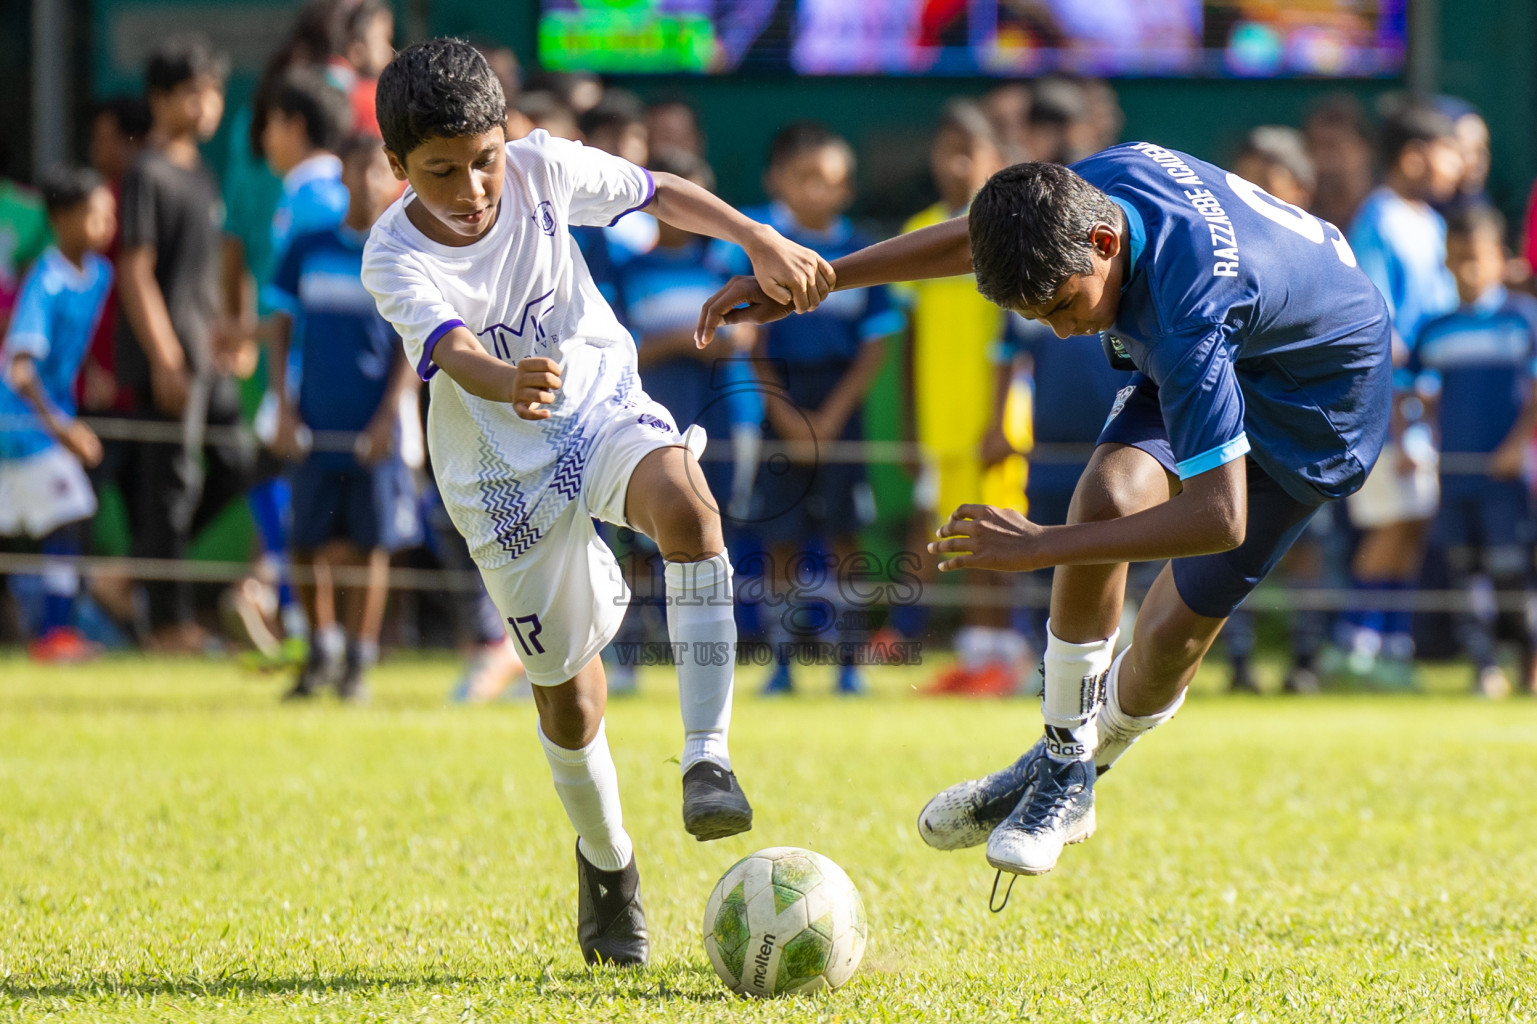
(588, 787)
(1117, 729)
(702, 627)
(1071, 696)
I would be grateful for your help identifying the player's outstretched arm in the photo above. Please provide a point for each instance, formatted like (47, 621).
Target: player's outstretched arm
(1208, 516)
(787, 273)
(943, 250)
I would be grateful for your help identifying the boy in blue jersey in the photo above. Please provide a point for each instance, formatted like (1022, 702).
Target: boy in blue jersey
(306, 117)
(828, 358)
(44, 493)
(1262, 392)
(351, 509)
(1481, 359)
(1400, 241)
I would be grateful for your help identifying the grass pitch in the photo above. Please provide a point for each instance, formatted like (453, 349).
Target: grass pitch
(176, 846)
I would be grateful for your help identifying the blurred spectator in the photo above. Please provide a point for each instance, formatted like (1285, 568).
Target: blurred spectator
(1105, 120)
(1054, 130)
(715, 388)
(828, 359)
(119, 128)
(1482, 358)
(1400, 242)
(961, 376)
(1339, 142)
(617, 125)
(168, 274)
(367, 46)
(1472, 133)
(351, 509)
(578, 90)
(540, 109)
(1008, 108)
(306, 119)
(1275, 158)
(663, 291)
(44, 492)
(673, 124)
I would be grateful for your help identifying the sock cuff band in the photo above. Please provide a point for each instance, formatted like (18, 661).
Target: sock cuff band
(1055, 644)
(568, 756)
(704, 575)
(1115, 718)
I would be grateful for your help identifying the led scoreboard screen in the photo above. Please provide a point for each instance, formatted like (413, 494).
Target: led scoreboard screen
(1171, 38)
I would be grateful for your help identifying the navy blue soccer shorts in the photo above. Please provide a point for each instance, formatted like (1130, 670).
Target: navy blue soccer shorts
(370, 506)
(1485, 522)
(1215, 585)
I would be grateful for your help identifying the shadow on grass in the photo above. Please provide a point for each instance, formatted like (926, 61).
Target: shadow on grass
(661, 985)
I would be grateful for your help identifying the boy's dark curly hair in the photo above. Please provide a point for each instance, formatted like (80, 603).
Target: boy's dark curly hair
(1029, 231)
(442, 88)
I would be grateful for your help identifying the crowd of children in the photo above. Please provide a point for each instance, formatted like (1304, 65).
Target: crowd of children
(158, 294)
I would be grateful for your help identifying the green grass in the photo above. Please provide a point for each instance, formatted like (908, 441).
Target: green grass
(174, 846)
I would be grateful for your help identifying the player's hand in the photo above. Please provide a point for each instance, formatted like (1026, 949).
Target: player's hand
(82, 443)
(285, 437)
(788, 273)
(1508, 461)
(171, 386)
(722, 308)
(377, 440)
(537, 381)
(984, 537)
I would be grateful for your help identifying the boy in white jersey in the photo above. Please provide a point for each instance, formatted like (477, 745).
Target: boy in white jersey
(538, 424)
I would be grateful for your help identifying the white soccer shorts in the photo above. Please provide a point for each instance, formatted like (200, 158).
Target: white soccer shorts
(1390, 496)
(563, 599)
(42, 492)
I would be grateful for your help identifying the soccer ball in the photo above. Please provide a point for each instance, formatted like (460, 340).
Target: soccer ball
(783, 921)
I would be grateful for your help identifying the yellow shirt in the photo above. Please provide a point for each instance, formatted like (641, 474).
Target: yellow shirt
(955, 335)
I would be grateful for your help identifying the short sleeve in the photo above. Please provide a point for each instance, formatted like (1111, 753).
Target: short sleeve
(883, 317)
(603, 187)
(138, 208)
(28, 331)
(1198, 393)
(408, 299)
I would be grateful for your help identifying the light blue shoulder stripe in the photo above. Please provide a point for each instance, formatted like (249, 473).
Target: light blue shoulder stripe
(1212, 458)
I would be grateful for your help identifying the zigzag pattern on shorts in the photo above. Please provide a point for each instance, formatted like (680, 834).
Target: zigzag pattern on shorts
(523, 510)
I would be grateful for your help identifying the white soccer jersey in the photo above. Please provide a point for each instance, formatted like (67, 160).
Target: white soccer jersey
(524, 290)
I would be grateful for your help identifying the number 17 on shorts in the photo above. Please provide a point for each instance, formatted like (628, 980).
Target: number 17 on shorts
(527, 629)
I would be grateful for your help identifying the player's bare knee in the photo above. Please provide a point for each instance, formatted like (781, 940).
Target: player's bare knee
(1118, 482)
(687, 527)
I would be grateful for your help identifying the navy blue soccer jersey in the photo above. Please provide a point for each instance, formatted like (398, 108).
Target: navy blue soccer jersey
(347, 348)
(1253, 321)
(1483, 355)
